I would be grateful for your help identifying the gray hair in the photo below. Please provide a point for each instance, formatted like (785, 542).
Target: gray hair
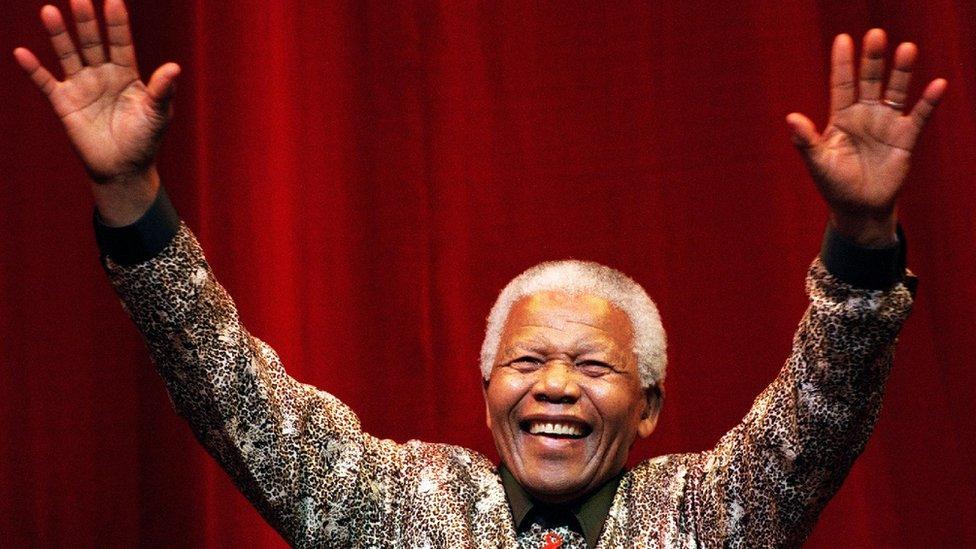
(585, 277)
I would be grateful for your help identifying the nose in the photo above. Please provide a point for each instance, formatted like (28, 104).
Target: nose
(557, 383)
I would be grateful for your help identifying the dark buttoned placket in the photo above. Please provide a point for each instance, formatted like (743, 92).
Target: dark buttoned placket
(585, 516)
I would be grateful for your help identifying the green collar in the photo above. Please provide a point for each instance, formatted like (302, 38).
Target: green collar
(591, 511)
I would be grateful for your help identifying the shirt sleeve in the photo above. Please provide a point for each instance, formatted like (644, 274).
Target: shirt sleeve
(142, 240)
(868, 268)
(296, 452)
(767, 479)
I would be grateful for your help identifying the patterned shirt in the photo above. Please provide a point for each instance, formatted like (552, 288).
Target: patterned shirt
(299, 454)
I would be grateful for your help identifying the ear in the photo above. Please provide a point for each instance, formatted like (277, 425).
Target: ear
(484, 393)
(654, 398)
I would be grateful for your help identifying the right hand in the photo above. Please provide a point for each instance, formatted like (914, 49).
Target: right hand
(114, 121)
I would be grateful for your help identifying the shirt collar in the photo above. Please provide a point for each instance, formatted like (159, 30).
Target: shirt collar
(591, 511)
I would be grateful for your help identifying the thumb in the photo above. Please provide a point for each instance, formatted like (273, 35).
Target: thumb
(804, 133)
(162, 84)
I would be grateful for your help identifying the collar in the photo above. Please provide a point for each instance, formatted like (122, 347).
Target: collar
(591, 511)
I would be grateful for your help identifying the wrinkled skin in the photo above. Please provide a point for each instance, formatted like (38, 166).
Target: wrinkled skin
(567, 358)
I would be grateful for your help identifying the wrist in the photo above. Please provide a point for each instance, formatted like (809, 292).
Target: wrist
(865, 231)
(123, 200)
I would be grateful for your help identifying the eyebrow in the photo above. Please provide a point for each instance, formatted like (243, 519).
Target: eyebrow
(537, 344)
(536, 340)
(595, 346)
(533, 345)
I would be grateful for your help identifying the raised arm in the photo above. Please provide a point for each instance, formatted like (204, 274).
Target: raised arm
(113, 119)
(297, 453)
(766, 481)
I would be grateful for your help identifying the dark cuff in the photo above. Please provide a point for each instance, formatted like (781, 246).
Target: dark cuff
(143, 239)
(868, 268)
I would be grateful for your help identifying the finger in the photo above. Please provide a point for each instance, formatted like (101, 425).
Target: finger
(842, 73)
(120, 48)
(804, 132)
(162, 84)
(64, 47)
(901, 75)
(29, 62)
(923, 108)
(872, 66)
(89, 38)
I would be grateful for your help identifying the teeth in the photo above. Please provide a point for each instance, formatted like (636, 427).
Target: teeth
(569, 429)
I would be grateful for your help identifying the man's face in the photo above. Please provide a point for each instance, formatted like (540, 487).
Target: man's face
(564, 398)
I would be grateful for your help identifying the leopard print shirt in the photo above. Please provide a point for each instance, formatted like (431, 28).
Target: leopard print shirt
(300, 457)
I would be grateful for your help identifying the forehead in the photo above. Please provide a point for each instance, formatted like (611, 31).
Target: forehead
(570, 316)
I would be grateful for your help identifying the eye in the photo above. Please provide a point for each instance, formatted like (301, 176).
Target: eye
(526, 363)
(594, 368)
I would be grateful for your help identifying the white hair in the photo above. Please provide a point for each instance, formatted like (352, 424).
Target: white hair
(589, 278)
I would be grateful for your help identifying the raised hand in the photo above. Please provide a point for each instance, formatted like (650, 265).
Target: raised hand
(861, 159)
(114, 121)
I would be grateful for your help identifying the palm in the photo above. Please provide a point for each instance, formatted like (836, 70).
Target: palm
(109, 118)
(861, 159)
(112, 118)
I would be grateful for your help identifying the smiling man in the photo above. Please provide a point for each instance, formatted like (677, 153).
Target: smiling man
(570, 380)
(573, 359)
(564, 395)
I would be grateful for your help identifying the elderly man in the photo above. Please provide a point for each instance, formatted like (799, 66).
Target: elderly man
(573, 358)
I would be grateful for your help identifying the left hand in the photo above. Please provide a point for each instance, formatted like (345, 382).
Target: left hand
(860, 161)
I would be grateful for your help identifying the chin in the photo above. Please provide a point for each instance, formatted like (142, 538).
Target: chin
(555, 488)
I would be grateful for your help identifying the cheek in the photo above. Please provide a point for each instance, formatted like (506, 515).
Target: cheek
(619, 408)
(503, 394)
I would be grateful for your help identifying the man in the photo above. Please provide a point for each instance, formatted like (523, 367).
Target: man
(573, 358)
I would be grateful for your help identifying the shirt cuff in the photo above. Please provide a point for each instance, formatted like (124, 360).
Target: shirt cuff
(867, 268)
(142, 240)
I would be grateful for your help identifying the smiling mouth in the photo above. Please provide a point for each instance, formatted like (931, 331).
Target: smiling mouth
(556, 429)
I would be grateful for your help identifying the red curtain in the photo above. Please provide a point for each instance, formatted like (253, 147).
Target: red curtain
(365, 176)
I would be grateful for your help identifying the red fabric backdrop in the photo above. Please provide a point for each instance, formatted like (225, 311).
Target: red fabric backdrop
(366, 176)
